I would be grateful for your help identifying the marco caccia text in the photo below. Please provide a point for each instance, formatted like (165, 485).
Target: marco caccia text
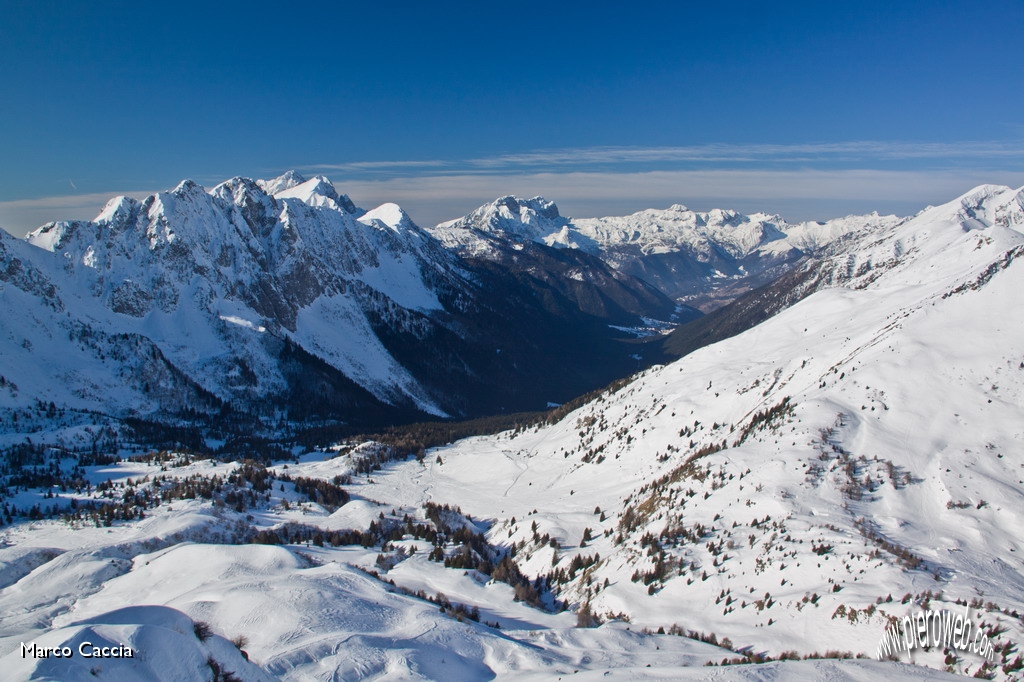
(85, 650)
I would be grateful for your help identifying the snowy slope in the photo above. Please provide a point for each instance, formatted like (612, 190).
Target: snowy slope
(177, 589)
(787, 487)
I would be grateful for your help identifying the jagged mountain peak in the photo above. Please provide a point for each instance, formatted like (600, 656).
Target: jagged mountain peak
(506, 218)
(241, 191)
(526, 208)
(188, 187)
(984, 205)
(52, 235)
(118, 210)
(523, 218)
(316, 191)
(981, 208)
(318, 186)
(389, 214)
(239, 185)
(286, 180)
(319, 191)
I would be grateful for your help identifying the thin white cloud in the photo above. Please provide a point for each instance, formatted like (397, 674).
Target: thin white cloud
(766, 184)
(712, 157)
(757, 152)
(360, 166)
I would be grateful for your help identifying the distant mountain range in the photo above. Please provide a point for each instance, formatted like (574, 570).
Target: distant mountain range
(701, 259)
(263, 303)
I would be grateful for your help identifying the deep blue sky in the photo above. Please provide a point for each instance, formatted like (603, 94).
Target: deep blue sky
(619, 105)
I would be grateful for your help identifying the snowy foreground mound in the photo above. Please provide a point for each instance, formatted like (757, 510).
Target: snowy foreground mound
(175, 649)
(309, 620)
(789, 492)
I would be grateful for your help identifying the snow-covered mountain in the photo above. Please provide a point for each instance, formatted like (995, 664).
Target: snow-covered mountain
(208, 275)
(789, 491)
(703, 259)
(529, 237)
(794, 487)
(507, 217)
(282, 298)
